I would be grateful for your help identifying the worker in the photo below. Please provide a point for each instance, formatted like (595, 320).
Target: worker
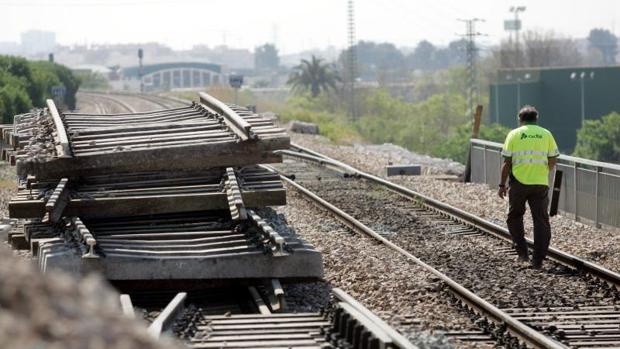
(529, 154)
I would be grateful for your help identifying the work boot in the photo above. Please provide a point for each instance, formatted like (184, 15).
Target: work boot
(524, 257)
(537, 265)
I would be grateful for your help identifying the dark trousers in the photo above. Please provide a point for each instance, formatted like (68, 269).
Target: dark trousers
(537, 198)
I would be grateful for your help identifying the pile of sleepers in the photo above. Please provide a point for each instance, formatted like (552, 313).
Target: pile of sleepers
(168, 194)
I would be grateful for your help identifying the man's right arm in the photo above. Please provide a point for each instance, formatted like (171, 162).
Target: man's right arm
(552, 153)
(506, 165)
(551, 162)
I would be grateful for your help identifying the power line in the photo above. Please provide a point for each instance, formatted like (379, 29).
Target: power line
(472, 80)
(351, 59)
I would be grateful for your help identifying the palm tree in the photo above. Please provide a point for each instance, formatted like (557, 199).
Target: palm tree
(313, 75)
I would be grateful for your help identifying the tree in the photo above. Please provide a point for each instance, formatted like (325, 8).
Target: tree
(376, 61)
(457, 145)
(606, 42)
(423, 56)
(313, 75)
(540, 49)
(266, 57)
(600, 139)
(25, 84)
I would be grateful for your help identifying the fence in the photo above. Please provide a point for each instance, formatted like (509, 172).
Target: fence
(590, 189)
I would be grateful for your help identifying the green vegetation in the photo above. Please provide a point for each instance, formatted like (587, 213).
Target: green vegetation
(436, 126)
(314, 76)
(434, 122)
(431, 119)
(25, 84)
(600, 139)
(93, 81)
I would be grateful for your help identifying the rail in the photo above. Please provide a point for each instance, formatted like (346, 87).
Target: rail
(590, 190)
(240, 126)
(516, 327)
(61, 138)
(559, 256)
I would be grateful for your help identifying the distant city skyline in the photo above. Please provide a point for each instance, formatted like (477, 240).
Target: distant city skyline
(293, 25)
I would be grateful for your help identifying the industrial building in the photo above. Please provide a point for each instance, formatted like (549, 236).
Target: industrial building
(563, 96)
(167, 76)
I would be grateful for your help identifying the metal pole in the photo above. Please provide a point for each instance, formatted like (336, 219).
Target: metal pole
(497, 102)
(517, 58)
(575, 191)
(141, 69)
(518, 94)
(484, 162)
(583, 101)
(598, 171)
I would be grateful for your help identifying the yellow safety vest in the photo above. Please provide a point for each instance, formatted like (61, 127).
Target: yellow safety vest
(529, 147)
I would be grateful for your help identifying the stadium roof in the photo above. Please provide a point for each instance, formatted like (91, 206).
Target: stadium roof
(151, 68)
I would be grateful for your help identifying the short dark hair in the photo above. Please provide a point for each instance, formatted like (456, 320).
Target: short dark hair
(528, 113)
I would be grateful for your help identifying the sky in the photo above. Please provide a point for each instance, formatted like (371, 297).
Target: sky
(294, 25)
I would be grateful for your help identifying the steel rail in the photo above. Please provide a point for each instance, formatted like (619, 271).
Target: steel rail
(516, 327)
(498, 231)
(109, 97)
(63, 148)
(241, 127)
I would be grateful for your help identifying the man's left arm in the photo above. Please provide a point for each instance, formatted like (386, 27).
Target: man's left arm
(552, 153)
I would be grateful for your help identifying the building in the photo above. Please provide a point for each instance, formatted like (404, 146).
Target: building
(167, 76)
(563, 96)
(37, 41)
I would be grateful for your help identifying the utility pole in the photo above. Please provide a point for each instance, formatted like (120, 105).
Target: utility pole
(472, 75)
(351, 61)
(516, 27)
(141, 72)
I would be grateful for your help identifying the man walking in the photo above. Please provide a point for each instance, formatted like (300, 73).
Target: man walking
(529, 153)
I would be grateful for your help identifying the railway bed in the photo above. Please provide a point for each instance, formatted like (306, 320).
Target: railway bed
(470, 254)
(256, 317)
(108, 193)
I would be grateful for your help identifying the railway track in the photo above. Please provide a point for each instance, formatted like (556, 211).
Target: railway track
(572, 303)
(192, 250)
(110, 103)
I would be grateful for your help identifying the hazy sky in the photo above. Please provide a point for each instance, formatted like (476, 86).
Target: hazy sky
(294, 24)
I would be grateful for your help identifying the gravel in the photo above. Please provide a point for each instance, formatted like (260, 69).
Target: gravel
(384, 154)
(55, 311)
(375, 275)
(38, 127)
(596, 245)
(478, 262)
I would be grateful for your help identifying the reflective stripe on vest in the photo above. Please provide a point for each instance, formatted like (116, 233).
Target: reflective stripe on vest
(529, 161)
(529, 152)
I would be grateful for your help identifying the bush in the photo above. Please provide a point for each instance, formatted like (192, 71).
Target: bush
(600, 139)
(25, 84)
(333, 126)
(92, 81)
(456, 147)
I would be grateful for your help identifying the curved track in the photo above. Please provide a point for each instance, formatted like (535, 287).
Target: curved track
(573, 302)
(204, 315)
(114, 103)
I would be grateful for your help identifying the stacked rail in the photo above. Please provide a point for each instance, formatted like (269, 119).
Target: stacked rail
(162, 195)
(203, 135)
